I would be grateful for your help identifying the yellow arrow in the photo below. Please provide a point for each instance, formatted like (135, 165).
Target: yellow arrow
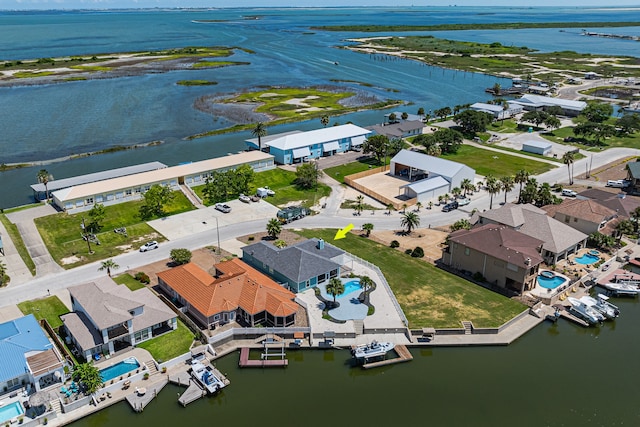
(342, 233)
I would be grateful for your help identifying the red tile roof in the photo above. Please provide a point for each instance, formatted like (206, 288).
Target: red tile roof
(236, 285)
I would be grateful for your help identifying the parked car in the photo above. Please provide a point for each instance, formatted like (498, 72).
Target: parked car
(569, 193)
(149, 246)
(464, 201)
(223, 208)
(450, 206)
(245, 199)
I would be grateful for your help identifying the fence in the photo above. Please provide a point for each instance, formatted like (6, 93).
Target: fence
(350, 180)
(56, 339)
(253, 333)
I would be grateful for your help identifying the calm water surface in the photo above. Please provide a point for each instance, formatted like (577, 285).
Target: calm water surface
(556, 375)
(58, 120)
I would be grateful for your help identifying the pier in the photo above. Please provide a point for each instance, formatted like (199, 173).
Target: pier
(264, 362)
(194, 390)
(404, 355)
(142, 396)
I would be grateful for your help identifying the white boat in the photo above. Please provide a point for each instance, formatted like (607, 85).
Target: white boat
(207, 378)
(374, 349)
(622, 288)
(584, 311)
(605, 308)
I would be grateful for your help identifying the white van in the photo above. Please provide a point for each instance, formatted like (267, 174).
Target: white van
(617, 183)
(569, 193)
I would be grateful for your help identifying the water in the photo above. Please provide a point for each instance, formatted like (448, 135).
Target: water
(551, 283)
(53, 121)
(119, 369)
(10, 411)
(587, 259)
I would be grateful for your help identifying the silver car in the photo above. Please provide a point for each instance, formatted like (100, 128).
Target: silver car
(223, 208)
(149, 246)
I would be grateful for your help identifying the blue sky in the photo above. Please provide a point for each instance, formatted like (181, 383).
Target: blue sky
(114, 4)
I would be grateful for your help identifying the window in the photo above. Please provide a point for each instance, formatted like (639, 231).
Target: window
(13, 383)
(79, 203)
(109, 196)
(567, 219)
(88, 201)
(137, 190)
(99, 199)
(128, 192)
(119, 195)
(512, 267)
(467, 251)
(216, 317)
(575, 219)
(68, 205)
(141, 335)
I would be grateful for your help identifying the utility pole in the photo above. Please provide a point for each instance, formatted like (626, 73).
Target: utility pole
(218, 232)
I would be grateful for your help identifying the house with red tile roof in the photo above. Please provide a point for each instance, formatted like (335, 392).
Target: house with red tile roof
(235, 292)
(503, 256)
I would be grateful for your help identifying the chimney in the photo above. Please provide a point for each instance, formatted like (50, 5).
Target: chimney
(527, 261)
(320, 244)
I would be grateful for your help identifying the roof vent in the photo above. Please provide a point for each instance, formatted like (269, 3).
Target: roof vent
(320, 245)
(527, 261)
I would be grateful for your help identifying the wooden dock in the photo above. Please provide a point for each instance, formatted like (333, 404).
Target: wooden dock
(566, 314)
(194, 390)
(404, 355)
(193, 393)
(265, 362)
(139, 401)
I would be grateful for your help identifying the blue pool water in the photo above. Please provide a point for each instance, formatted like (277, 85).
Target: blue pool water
(587, 259)
(351, 286)
(551, 283)
(10, 411)
(119, 369)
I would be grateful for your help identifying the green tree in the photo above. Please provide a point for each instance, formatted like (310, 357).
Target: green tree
(493, 187)
(390, 208)
(624, 227)
(324, 120)
(421, 111)
(280, 244)
(461, 224)
(180, 256)
(598, 131)
(552, 122)
(554, 110)
(635, 218)
(497, 89)
(418, 206)
(88, 376)
(259, 131)
(97, 215)
(368, 228)
(409, 221)
(568, 159)
(443, 112)
(366, 283)
(467, 186)
(456, 191)
(4, 278)
(404, 115)
(472, 121)
(534, 117)
(522, 176)
(597, 112)
(307, 175)
(335, 287)
(450, 140)
(108, 265)
(545, 197)
(154, 200)
(393, 118)
(274, 228)
(43, 178)
(506, 184)
(377, 145)
(628, 123)
(529, 192)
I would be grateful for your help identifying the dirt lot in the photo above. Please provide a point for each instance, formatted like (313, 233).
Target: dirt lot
(430, 240)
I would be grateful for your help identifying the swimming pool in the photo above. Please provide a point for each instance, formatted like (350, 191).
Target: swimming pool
(587, 259)
(550, 282)
(120, 368)
(10, 411)
(350, 286)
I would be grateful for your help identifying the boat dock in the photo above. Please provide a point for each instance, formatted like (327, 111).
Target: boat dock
(194, 391)
(142, 396)
(404, 355)
(564, 312)
(264, 362)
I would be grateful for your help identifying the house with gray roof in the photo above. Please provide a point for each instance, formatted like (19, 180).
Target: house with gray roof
(633, 176)
(28, 356)
(538, 103)
(298, 267)
(429, 176)
(560, 240)
(402, 129)
(107, 317)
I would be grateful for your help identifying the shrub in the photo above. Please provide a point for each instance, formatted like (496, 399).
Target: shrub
(142, 277)
(408, 251)
(251, 238)
(478, 277)
(146, 376)
(394, 244)
(418, 252)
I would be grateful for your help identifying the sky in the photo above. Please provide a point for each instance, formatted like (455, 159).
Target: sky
(118, 4)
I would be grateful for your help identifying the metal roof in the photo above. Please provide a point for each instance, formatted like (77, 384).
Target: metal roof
(18, 338)
(58, 184)
(318, 136)
(537, 144)
(433, 165)
(427, 184)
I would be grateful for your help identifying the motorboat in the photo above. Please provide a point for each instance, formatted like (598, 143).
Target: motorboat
(604, 300)
(620, 288)
(374, 349)
(206, 377)
(585, 312)
(602, 306)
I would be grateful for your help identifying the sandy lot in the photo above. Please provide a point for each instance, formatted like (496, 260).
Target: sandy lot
(430, 240)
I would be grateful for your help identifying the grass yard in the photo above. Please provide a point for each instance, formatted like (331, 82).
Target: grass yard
(169, 345)
(504, 126)
(558, 136)
(429, 297)
(62, 233)
(16, 238)
(50, 308)
(128, 280)
(282, 182)
(339, 172)
(487, 162)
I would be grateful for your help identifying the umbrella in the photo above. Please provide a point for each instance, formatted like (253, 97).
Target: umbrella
(39, 398)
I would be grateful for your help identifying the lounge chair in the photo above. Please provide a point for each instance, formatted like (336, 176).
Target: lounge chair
(64, 390)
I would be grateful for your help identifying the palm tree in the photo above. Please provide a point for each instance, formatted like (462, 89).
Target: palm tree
(522, 176)
(622, 228)
(635, 217)
(404, 208)
(368, 228)
(324, 120)
(418, 206)
(430, 205)
(456, 192)
(366, 283)
(335, 287)
(493, 187)
(360, 202)
(568, 159)
(479, 185)
(497, 89)
(43, 178)
(506, 184)
(280, 244)
(466, 186)
(108, 265)
(440, 199)
(274, 228)
(3, 272)
(390, 208)
(259, 131)
(409, 221)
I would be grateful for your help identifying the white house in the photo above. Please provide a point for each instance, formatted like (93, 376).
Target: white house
(430, 176)
(498, 111)
(536, 103)
(537, 147)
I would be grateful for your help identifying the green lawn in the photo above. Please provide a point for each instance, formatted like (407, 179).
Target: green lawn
(62, 233)
(16, 238)
(487, 162)
(170, 345)
(128, 280)
(504, 126)
(339, 172)
(429, 297)
(558, 135)
(50, 308)
(282, 182)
